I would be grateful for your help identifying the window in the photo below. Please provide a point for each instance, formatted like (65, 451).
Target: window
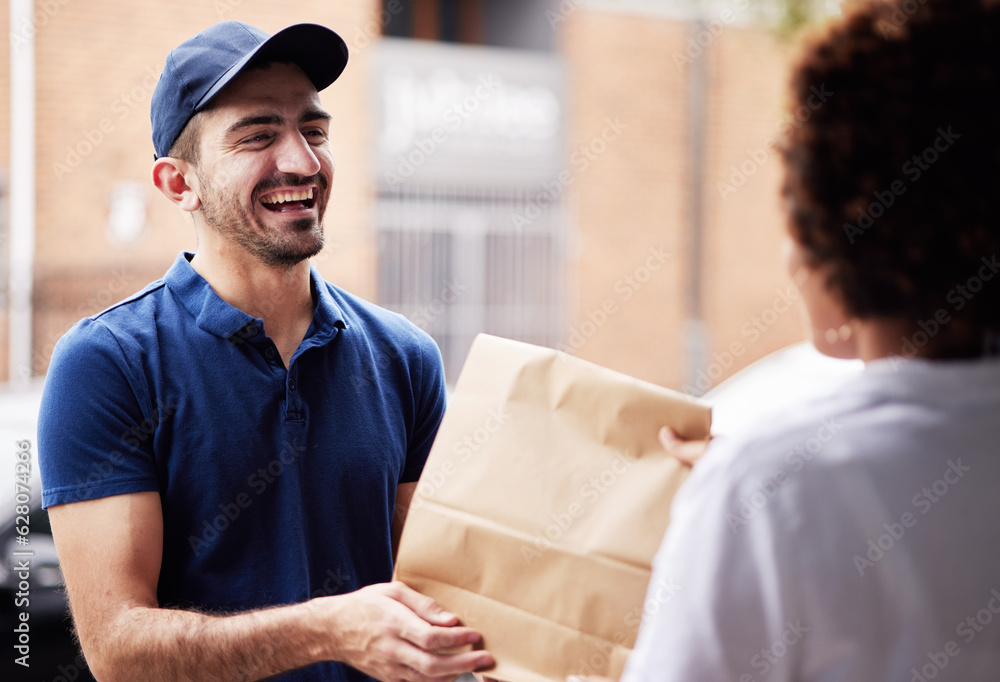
(455, 266)
(521, 24)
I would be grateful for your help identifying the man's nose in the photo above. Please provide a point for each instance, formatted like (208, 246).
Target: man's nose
(296, 156)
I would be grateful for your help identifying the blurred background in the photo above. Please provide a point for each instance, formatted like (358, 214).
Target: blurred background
(593, 175)
(597, 176)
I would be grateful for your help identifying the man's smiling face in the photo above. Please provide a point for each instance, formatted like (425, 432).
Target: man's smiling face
(265, 166)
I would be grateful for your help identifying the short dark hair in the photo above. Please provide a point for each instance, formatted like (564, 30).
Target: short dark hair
(894, 180)
(187, 146)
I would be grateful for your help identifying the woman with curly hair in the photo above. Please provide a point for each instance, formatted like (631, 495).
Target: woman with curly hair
(858, 537)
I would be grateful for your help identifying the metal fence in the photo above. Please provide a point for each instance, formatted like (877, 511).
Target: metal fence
(458, 262)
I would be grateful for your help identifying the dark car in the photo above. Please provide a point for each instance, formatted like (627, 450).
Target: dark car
(31, 584)
(52, 653)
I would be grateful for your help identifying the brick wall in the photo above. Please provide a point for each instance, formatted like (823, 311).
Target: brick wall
(633, 199)
(746, 284)
(630, 202)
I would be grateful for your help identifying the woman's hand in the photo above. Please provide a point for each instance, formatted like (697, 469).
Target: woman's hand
(687, 452)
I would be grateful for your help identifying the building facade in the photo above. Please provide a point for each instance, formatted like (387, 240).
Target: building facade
(598, 177)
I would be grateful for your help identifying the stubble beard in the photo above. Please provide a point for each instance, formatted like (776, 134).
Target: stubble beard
(301, 240)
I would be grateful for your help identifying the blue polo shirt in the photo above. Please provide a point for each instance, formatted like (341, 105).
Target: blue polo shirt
(277, 486)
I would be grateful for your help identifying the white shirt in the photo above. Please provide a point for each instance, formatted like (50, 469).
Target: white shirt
(856, 538)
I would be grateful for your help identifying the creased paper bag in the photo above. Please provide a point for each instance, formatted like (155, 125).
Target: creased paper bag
(544, 498)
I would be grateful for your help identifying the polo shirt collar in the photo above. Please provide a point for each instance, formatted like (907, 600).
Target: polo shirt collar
(217, 317)
(328, 318)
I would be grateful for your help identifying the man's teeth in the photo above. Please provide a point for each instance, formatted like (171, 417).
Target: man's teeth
(282, 197)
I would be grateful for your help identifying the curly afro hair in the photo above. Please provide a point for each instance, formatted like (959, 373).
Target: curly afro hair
(894, 182)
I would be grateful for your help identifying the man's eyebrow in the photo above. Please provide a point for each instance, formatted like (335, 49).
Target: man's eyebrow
(256, 120)
(314, 115)
(275, 119)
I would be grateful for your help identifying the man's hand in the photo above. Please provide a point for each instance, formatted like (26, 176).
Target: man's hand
(387, 630)
(393, 633)
(687, 452)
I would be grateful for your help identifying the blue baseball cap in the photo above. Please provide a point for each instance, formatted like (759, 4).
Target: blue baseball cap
(200, 67)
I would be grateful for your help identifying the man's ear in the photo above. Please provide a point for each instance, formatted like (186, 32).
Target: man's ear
(178, 181)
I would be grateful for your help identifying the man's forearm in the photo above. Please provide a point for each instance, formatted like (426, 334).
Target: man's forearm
(165, 644)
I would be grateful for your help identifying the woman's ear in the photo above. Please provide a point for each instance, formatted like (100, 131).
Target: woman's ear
(177, 180)
(828, 325)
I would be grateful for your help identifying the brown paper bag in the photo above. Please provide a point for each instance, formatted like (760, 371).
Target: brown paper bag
(544, 498)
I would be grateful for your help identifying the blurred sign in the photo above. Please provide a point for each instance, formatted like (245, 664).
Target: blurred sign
(466, 115)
